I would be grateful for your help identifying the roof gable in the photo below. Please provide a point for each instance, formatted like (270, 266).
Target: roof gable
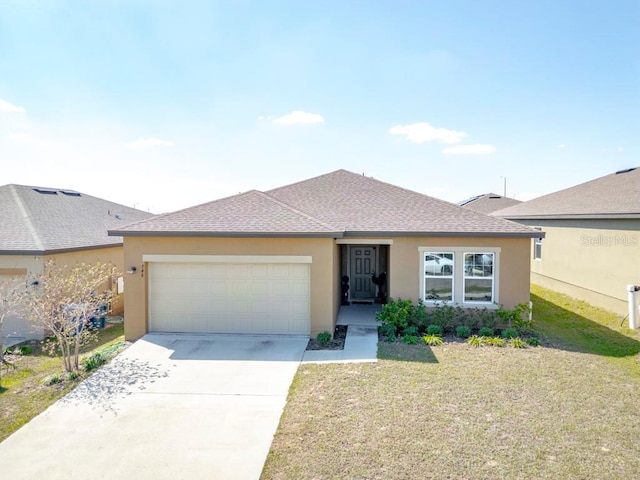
(617, 194)
(336, 204)
(488, 202)
(39, 220)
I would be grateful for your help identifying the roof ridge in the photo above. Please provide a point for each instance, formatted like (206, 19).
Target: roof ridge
(296, 210)
(26, 217)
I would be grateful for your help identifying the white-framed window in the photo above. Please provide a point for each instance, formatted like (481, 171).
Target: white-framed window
(537, 246)
(460, 275)
(438, 276)
(478, 282)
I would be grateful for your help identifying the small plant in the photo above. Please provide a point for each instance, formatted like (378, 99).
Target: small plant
(495, 341)
(475, 341)
(410, 339)
(73, 376)
(24, 350)
(323, 338)
(411, 331)
(93, 362)
(388, 331)
(518, 343)
(432, 340)
(434, 330)
(533, 341)
(485, 332)
(463, 331)
(52, 380)
(509, 333)
(397, 313)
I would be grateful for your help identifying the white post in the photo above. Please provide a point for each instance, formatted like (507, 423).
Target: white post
(633, 306)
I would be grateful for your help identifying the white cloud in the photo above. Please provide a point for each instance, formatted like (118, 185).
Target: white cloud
(10, 107)
(423, 132)
(298, 117)
(149, 142)
(19, 137)
(620, 149)
(562, 145)
(475, 149)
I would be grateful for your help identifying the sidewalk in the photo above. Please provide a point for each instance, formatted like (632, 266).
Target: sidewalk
(361, 344)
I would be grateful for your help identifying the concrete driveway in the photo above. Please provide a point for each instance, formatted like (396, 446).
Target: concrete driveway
(170, 406)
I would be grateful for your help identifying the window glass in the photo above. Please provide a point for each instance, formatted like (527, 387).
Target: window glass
(478, 277)
(438, 272)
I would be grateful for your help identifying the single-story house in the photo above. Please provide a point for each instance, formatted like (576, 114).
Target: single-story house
(591, 249)
(284, 260)
(488, 202)
(41, 223)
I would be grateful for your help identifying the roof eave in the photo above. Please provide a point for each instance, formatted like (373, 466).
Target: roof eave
(226, 234)
(533, 234)
(55, 251)
(573, 216)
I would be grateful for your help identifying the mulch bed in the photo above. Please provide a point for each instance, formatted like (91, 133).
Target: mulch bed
(336, 343)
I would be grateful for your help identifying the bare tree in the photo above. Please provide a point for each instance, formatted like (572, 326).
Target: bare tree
(11, 294)
(63, 301)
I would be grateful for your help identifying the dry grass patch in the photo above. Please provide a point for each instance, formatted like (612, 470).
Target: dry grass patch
(540, 413)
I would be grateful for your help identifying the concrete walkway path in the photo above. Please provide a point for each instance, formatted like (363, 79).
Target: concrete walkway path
(361, 344)
(170, 406)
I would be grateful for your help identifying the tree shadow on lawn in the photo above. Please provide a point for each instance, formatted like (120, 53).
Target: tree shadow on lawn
(406, 353)
(571, 331)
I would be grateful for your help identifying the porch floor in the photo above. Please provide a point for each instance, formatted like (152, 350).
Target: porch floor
(361, 315)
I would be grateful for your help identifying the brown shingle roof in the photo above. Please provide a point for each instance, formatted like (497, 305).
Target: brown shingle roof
(336, 204)
(38, 220)
(488, 202)
(617, 194)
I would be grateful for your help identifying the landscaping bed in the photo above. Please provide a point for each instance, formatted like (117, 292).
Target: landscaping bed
(336, 342)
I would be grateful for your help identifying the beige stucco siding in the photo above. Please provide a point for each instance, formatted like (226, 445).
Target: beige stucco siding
(593, 260)
(323, 276)
(512, 277)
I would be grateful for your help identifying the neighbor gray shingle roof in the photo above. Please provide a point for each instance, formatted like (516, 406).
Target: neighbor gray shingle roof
(336, 204)
(36, 222)
(617, 194)
(488, 202)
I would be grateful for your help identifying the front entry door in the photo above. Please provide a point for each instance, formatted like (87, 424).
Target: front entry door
(362, 266)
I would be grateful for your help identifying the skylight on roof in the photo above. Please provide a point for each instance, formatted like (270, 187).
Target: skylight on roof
(70, 193)
(45, 191)
(626, 170)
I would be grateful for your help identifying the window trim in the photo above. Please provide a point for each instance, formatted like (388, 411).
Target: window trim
(452, 276)
(458, 274)
(492, 277)
(537, 246)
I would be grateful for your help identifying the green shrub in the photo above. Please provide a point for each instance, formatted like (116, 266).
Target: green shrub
(434, 330)
(518, 317)
(24, 350)
(432, 340)
(495, 341)
(443, 315)
(52, 379)
(396, 313)
(487, 318)
(94, 361)
(410, 339)
(509, 333)
(412, 330)
(518, 343)
(323, 338)
(475, 341)
(388, 331)
(485, 332)
(533, 341)
(418, 316)
(463, 331)
(73, 375)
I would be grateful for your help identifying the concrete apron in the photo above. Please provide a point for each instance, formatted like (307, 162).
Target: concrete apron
(170, 406)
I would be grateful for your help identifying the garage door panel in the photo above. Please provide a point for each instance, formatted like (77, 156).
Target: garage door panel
(229, 298)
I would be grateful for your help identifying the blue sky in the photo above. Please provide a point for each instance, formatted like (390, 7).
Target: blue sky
(163, 105)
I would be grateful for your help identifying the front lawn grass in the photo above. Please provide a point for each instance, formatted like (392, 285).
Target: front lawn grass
(23, 393)
(565, 410)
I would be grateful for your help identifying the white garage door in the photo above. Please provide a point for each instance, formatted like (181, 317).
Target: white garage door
(229, 297)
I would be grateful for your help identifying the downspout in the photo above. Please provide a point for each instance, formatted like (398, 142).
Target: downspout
(633, 305)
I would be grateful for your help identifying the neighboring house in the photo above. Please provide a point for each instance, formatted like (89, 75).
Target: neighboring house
(272, 262)
(69, 227)
(488, 202)
(591, 250)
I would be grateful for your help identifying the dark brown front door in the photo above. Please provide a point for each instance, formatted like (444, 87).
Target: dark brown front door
(362, 266)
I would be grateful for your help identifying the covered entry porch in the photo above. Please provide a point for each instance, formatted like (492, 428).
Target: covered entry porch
(364, 270)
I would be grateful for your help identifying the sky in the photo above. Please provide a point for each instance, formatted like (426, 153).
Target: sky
(161, 105)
